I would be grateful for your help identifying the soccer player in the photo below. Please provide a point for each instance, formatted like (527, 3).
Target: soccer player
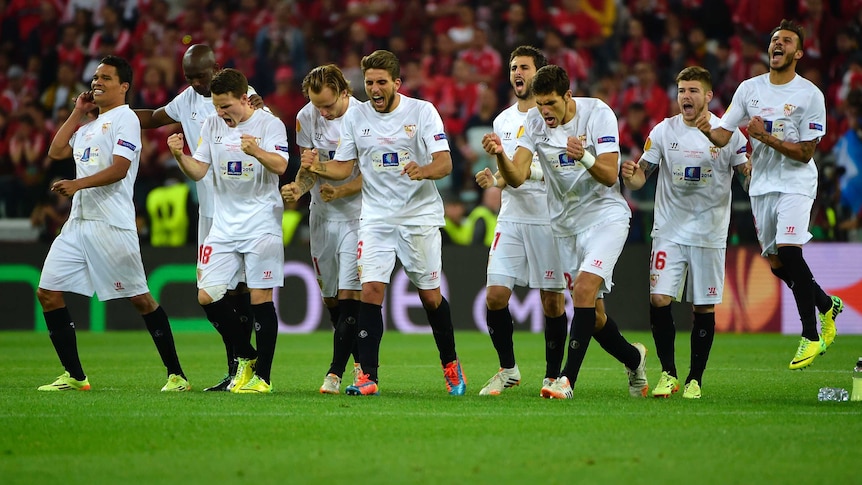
(334, 217)
(98, 249)
(576, 140)
(401, 149)
(523, 250)
(787, 118)
(190, 108)
(689, 235)
(248, 149)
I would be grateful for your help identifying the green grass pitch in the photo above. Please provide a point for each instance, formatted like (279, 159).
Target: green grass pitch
(757, 422)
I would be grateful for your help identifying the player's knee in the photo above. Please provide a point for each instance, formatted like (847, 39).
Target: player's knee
(497, 297)
(659, 301)
(144, 304)
(50, 300)
(553, 304)
(211, 294)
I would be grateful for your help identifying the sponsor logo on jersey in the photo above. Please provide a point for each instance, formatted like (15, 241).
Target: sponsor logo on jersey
(366, 132)
(410, 130)
(674, 146)
(566, 161)
(607, 139)
(281, 148)
(815, 126)
(85, 157)
(790, 230)
(234, 168)
(124, 143)
(597, 263)
(741, 149)
(390, 159)
(118, 286)
(549, 274)
(216, 140)
(753, 103)
(692, 174)
(789, 109)
(439, 136)
(194, 115)
(712, 291)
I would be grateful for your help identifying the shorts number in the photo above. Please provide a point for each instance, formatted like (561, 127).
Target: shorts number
(570, 283)
(496, 240)
(658, 259)
(359, 250)
(204, 253)
(316, 266)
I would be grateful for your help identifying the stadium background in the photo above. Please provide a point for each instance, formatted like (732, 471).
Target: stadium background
(454, 54)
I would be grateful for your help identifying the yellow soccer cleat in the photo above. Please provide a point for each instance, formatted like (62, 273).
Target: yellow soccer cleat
(666, 386)
(806, 352)
(177, 383)
(255, 385)
(692, 390)
(827, 322)
(65, 382)
(244, 373)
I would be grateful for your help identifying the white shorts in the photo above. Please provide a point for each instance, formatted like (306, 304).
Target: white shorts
(262, 259)
(524, 255)
(333, 254)
(418, 248)
(781, 219)
(204, 226)
(595, 250)
(91, 256)
(669, 264)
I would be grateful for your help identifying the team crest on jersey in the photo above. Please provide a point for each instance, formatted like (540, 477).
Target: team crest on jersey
(714, 152)
(105, 127)
(583, 139)
(410, 130)
(789, 109)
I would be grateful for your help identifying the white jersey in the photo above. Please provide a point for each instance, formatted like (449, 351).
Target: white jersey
(692, 200)
(315, 131)
(383, 143)
(247, 201)
(115, 132)
(576, 200)
(191, 110)
(527, 204)
(795, 112)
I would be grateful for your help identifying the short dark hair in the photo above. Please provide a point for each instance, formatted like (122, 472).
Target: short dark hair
(696, 73)
(793, 27)
(551, 79)
(124, 69)
(325, 76)
(382, 59)
(230, 81)
(539, 59)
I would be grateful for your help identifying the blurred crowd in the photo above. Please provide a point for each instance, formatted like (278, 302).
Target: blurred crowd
(453, 53)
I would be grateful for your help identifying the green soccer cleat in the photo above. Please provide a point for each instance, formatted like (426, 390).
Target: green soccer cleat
(558, 389)
(827, 322)
(666, 386)
(255, 385)
(331, 384)
(65, 382)
(638, 385)
(244, 373)
(806, 352)
(504, 378)
(692, 390)
(177, 383)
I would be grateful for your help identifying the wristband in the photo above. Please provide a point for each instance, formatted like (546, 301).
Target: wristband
(536, 172)
(588, 160)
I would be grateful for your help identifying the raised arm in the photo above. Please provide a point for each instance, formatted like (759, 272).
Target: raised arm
(60, 147)
(440, 166)
(515, 170)
(800, 151)
(636, 174)
(272, 161)
(194, 169)
(332, 170)
(718, 136)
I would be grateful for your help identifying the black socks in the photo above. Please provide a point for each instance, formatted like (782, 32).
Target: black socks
(702, 335)
(344, 337)
(61, 329)
(501, 329)
(266, 333)
(160, 330)
(664, 336)
(440, 320)
(368, 338)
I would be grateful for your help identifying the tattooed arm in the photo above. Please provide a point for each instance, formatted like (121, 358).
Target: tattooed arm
(635, 174)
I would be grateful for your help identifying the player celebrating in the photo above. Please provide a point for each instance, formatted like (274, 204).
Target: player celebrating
(334, 214)
(576, 142)
(401, 149)
(689, 235)
(98, 249)
(787, 117)
(523, 250)
(249, 149)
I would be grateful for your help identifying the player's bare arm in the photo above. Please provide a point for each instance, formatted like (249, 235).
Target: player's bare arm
(329, 192)
(718, 136)
(332, 170)
(153, 118)
(193, 169)
(743, 173)
(271, 161)
(255, 101)
(486, 179)
(635, 174)
(514, 171)
(60, 147)
(440, 166)
(114, 173)
(603, 168)
(801, 151)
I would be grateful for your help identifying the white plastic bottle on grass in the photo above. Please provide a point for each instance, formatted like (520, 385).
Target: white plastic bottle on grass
(856, 395)
(832, 394)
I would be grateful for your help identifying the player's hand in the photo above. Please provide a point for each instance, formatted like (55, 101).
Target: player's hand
(413, 170)
(65, 187)
(255, 101)
(309, 160)
(757, 128)
(84, 102)
(745, 168)
(175, 143)
(574, 148)
(486, 178)
(702, 123)
(492, 144)
(290, 192)
(329, 192)
(628, 169)
(248, 144)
